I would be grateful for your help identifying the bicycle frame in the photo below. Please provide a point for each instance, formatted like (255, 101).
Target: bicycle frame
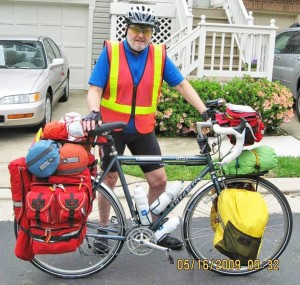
(117, 160)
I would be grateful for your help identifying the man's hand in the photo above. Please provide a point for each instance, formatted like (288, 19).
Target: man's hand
(206, 115)
(90, 121)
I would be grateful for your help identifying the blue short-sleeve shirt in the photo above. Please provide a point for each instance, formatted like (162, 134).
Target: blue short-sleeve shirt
(136, 62)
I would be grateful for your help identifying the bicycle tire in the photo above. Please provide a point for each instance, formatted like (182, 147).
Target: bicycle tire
(85, 261)
(198, 233)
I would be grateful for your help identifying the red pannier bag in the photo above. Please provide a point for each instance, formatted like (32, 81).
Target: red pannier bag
(20, 180)
(57, 210)
(232, 118)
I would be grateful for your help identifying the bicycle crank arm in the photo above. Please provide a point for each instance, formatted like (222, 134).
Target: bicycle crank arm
(161, 248)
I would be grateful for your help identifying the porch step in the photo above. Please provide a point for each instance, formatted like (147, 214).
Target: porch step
(212, 15)
(193, 74)
(216, 15)
(217, 59)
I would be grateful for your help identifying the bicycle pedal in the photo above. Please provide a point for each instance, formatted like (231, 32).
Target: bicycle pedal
(169, 256)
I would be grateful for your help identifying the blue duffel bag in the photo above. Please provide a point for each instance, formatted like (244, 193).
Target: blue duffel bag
(43, 158)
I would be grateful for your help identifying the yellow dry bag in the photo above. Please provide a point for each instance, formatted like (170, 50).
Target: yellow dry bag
(242, 217)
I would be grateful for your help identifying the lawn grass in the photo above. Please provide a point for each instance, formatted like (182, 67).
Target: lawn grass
(287, 167)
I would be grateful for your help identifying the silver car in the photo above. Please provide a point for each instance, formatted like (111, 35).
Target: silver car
(34, 76)
(286, 67)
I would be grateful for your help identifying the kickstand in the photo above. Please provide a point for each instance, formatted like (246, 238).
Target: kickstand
(169, 256)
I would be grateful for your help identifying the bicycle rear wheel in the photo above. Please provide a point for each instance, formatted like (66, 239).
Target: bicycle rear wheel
(85, 260)
(199, 235)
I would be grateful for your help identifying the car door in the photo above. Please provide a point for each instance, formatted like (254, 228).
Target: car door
(281, 43)
(287, 58)
(54, 73)
(63, 70)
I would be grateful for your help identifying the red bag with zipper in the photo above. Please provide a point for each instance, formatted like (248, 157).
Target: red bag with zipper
(20, 180)
(232, 118)
(57, 209)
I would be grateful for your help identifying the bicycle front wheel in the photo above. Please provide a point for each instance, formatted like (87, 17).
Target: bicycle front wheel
(86, 260)
(199, 235)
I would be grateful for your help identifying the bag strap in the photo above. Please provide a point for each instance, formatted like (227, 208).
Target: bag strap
(237, 165)
(257, 164)
(49, 238)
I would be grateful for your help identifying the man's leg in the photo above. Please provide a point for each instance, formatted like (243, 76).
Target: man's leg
(103, 205)
(157, 180)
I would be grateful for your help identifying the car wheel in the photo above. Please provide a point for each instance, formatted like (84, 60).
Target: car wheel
(65, 97)
(48, 111)
(298, 105)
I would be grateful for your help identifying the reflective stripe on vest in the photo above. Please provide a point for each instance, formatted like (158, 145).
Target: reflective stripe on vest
(111, 104)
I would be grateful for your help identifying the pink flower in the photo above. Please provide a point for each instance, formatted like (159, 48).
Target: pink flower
(168, 113)
(179, 126)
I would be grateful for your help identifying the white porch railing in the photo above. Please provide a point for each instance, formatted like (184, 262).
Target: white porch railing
(237, 13)
(184, 9)
(189, 53)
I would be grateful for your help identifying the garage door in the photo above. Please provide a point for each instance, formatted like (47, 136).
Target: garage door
(67, 24)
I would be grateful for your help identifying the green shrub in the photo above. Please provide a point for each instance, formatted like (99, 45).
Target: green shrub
(271, 99)
(176, 117)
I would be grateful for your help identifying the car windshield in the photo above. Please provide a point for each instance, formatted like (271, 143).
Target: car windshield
(16, 54)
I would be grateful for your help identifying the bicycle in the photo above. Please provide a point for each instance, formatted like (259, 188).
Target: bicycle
(197, 231)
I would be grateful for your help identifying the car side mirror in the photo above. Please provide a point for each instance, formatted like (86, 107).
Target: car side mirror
(57, 62)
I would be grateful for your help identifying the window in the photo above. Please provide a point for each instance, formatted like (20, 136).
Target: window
(49, 51)
(55, 48)
(293, 46)
(281, 42)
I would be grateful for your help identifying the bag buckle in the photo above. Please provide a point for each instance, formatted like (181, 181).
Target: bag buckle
(47, 235)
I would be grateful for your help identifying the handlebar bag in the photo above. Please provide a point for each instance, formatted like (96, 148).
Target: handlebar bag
(242, 219)
(57, 210)
(232, 118)
(43, 158)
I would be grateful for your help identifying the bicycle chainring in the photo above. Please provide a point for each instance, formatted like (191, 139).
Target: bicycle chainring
(136, 239)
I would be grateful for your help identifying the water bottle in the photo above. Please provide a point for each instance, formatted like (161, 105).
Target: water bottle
(165, 198)
(142, 206)
(166, 228)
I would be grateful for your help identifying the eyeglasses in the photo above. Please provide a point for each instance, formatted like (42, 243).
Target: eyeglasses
(145, 30)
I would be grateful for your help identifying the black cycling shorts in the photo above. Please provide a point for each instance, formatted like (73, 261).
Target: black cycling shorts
(138, 144)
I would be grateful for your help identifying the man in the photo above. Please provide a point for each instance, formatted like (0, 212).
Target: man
(126, 84)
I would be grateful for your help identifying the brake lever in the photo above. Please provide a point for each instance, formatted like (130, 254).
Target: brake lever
(250, 128)
(243, 125)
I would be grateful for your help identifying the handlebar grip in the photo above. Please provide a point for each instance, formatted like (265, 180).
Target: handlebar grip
(236, 151)
(240, 139)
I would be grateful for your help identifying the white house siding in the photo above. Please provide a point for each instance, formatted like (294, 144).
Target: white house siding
(101, 30)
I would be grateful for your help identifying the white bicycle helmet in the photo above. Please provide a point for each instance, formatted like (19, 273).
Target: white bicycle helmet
(141, 15)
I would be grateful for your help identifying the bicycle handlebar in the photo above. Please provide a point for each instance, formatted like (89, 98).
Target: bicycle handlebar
(238, 131)
(240, 138)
